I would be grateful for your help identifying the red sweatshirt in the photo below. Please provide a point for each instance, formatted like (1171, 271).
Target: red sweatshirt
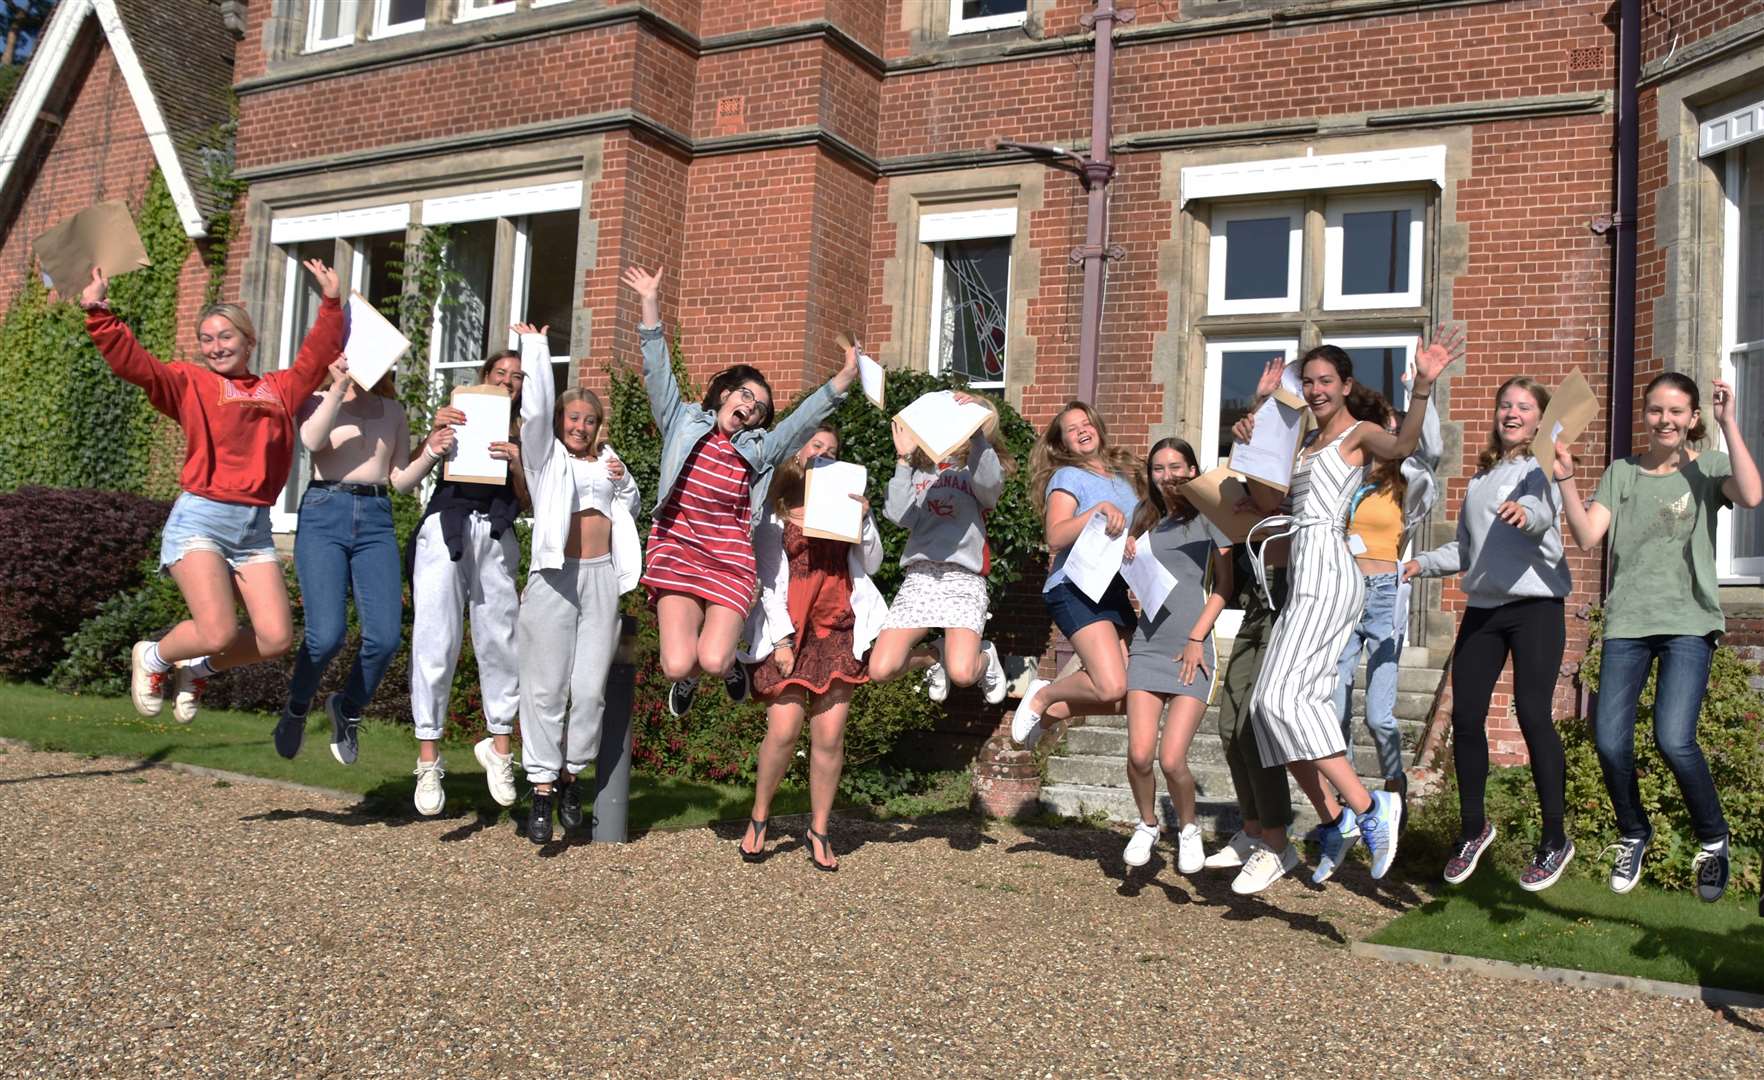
(238, 432)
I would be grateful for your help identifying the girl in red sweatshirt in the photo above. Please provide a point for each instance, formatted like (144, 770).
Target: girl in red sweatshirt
(238, 448)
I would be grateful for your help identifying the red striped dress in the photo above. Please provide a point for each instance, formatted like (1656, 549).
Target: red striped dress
(701, 544)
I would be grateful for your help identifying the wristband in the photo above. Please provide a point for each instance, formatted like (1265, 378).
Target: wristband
(1421, 397)
(429, 452)
(1197, 641)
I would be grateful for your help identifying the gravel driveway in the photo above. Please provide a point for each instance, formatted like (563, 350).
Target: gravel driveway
(155, 923)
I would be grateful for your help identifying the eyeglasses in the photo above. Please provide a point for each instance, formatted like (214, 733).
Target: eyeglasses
(748, 397)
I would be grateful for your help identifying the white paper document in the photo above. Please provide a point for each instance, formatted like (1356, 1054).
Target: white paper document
(487, 410)
(1147, 577)
(1273, 445)
(373, 345)
(829, 510)
(1095, 558)
(870, 375)
(940, 424)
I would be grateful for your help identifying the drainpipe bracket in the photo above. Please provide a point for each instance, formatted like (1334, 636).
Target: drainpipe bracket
(1085, 252)
(1089, 18)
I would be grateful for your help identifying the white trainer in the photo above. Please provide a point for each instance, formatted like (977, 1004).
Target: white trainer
(1263, 869)
(993, 681)
(937, 682)
(186, 692)
(1026, 722)
(146, 688)
(1233, 854)
(498, 770)
(1190, 855)
(430, 795)
(1139, 845)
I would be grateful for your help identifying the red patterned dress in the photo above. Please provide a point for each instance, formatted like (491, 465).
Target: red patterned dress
(821, 614)
(701, 544)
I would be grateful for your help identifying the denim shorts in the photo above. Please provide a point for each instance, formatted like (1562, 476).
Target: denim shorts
(237, 533)
(1072, 611)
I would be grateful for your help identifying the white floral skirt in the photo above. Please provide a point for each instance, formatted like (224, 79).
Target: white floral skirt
(939, 595)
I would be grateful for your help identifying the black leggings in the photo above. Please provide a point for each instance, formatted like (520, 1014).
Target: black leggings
(1532, 632)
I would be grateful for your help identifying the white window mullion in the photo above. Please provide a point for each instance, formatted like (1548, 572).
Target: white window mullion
(1266, 219)
(521, 268)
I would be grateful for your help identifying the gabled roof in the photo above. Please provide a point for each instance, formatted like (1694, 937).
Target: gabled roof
(177, 61)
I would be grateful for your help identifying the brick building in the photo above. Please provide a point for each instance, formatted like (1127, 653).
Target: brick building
(1346, 171)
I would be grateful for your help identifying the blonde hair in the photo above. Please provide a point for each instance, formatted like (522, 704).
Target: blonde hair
(570, 397)
(1051, 453)
(1492, 454)
(233, 313)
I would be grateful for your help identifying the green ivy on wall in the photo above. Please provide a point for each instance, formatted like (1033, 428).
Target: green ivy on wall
(426, 280)
(65, 419)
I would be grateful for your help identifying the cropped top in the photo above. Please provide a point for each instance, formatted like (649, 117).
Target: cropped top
(594, 489)
(1377, 519)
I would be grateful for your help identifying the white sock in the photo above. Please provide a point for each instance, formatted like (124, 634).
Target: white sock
(200, 668)
(1716, 847)
(154, 662)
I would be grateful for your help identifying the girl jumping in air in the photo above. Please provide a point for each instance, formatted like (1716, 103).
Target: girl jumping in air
(585, 555)
(1659, 510)
(817, 616)
(238, 450)
(717, 462)
(1171, 662)
(943, 508)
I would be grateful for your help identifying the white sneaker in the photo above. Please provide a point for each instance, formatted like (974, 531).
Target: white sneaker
(1139, 845)
(1026, 722)
(1233, 854)
(498, 771)
(937, 682)
(430, 795)
(993, 681)
(186, 692)
(146, 688)
(1263, 869)
(1190, 855)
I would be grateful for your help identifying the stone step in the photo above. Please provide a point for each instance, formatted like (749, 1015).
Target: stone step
(1112, 742)
(1211, 777)
(1411, 709)
(1218, 818)
(1414, 657)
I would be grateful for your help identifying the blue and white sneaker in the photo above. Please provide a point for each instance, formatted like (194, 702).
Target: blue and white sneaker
(1379, 827)
(1338, 839)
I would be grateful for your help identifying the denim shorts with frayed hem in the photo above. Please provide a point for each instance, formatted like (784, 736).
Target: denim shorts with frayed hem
(1072, 611)
(237, 533)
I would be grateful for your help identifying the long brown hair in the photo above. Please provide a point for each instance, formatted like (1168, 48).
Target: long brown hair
(1369, 405)
(1153, 508)
(1687, 386)
(1051, 453)
(1491, 454)
(790, 478)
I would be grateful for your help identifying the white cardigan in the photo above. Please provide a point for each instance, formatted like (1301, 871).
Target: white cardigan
(547, 465)
(770, 618)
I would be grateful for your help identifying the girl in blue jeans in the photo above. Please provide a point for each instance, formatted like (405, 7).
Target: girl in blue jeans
(1659, 510)
(360, 447)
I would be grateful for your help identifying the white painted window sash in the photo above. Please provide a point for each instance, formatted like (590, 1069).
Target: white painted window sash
(958, 24)
(1730, 568)
(937, 229)
(346, 18)
(1335, 247)
(382, 28)
(1218, 252)
(471, 10)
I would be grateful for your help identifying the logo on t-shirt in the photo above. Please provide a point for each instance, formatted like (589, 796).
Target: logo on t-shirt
(261, 394)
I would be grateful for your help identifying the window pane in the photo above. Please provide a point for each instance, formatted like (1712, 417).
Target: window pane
(1748, 387)
(1239, 372)
(306, 292)
(1257, 256)
(465, 306)
(1375, 252)
(1381, 369)
(382, 280)
(978, 9)
(328, 14)
(553, 289)
(976, 297)
(1751, 241)
(403, 11)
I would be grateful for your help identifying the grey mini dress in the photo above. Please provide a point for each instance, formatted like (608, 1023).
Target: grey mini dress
(1154, 656)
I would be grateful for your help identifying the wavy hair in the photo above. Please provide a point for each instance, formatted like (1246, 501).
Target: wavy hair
(1051, 453)
(1492, 454)
(1154, 508)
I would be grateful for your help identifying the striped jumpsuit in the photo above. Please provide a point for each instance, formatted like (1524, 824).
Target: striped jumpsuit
(1293, 705)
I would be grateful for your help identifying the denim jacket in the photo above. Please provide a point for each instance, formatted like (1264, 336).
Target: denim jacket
(683, 424)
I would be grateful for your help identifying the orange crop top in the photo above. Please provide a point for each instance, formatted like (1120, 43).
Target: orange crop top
(1378, 522)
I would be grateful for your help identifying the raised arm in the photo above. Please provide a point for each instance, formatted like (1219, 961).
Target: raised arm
(1430, 362)
(324, 342)
(1586, 523)
(318, 414)
(538, 395)
(794, 430)
(163, 383)
(658, 367)
(1743, 488)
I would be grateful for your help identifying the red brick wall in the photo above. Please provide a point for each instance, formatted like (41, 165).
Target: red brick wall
(1667, 28)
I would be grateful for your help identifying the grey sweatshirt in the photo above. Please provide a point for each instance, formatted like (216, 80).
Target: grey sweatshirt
(1499, 562)
(943, 511)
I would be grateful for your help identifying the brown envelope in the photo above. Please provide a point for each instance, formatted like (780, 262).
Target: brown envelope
(1215, 494)
(1572, 408)
(102, 235)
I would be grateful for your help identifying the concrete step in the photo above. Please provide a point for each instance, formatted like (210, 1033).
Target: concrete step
(1413, 656)
(1218, 818)
(1210, 776)
(1410, 711)
(1112, 741)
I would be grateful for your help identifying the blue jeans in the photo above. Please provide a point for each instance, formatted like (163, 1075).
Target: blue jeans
(345, 542)
(1678, 698)
(1376, 631)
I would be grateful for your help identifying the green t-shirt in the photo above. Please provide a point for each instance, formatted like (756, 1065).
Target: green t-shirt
(1662, 540)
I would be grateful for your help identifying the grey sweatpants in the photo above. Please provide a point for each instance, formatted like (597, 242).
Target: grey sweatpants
(568, 632)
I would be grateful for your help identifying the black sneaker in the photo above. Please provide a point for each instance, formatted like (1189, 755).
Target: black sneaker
(680, 696)
(1711, 870)
(1546, 867)
(738, 685)
(569, 806)
(1627, 868)
(290, 734)
(539, 819)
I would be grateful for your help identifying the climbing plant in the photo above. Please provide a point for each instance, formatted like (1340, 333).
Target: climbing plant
(426, 283)
(65, 419)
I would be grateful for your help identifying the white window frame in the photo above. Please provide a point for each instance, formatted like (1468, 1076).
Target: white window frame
(1729, 568)
(383, 29)
(934, 231)
(548, 3)
(346, 19)
(470, 10)
(1405, 342)
(1334, 246)
(1217, 252)
(959, 24)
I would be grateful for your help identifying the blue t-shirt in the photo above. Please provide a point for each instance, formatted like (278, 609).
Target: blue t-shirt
(1089, 489)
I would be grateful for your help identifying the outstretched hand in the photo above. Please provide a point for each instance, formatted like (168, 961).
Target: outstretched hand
(1431, 359)
(325, 276)
(848, 373)
(647, 286)
(525, 328)
(96, 290)
(1272, 372)
(1722, 406)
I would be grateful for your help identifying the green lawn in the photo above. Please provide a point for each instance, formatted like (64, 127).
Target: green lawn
(1582, 924)
(381, 775)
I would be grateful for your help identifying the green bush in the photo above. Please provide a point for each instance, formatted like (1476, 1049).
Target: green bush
(1730, 730)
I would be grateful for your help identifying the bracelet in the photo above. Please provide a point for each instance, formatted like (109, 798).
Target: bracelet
(429, 452)
(1197, 641)
(1421, 397)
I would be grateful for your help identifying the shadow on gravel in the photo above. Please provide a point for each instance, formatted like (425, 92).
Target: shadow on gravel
(143, 765)
(852, 831)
